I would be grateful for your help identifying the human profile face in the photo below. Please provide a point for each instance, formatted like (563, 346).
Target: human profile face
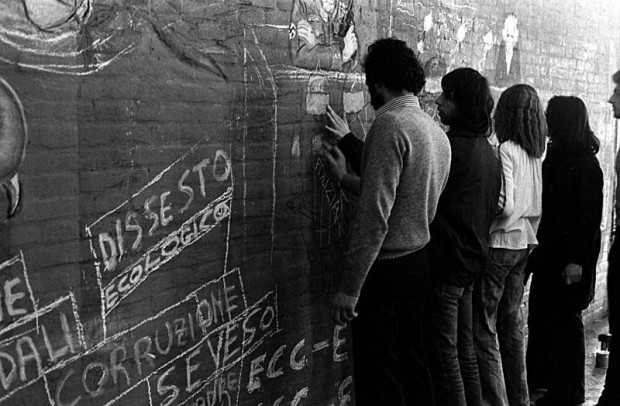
(614, 100)
(447, 109)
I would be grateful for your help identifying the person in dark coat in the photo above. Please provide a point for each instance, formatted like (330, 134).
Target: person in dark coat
(564, 263)
(460, 233)
(611, 392)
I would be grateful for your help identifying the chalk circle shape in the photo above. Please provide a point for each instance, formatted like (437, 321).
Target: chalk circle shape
(13, 132)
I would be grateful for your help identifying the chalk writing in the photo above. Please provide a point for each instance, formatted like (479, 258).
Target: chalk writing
(16, 298)
(198, 341)
(241, 337)
(222, 391)
(38, 343)
(342, 398)
(294, 359)
(191, 231)
(157, 223)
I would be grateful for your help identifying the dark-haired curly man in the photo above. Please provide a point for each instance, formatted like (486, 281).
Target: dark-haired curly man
(404, 167)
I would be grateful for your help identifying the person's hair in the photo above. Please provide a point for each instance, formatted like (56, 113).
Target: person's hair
(616, 77)
(569, 129)
(392, 63)
(519, 117)
(471, 94)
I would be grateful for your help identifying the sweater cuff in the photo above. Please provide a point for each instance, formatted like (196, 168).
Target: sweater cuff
(347, 141)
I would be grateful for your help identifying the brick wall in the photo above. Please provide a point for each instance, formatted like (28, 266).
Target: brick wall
(179, 234)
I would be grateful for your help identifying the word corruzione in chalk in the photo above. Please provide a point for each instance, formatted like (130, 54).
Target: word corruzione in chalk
(126, 360)
(190, 232)
(130, 231)
(208, 345)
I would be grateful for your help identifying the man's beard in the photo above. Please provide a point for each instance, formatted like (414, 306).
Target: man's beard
(376, 99)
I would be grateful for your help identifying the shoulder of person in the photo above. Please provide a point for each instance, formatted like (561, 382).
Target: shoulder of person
(511, 149)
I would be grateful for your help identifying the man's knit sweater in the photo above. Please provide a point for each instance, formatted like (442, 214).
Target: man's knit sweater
(404, 168)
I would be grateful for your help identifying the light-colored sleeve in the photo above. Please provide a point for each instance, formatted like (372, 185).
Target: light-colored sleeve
(507, 193)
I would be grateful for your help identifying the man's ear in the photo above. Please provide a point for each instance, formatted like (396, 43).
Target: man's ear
(379, 87)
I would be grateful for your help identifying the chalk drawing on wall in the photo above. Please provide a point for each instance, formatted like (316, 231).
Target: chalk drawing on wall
(34, 340)
(322, 35)
(272, 365)
(204, 338)
(13, 140)
(159, 222)
(63, 37)
(331, 205)
(508, 67)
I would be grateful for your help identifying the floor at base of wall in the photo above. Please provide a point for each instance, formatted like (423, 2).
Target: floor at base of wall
(595, 377)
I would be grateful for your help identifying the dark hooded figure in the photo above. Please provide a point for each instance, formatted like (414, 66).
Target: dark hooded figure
(564, 263)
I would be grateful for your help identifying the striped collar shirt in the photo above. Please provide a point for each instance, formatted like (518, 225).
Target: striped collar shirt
(408, 100)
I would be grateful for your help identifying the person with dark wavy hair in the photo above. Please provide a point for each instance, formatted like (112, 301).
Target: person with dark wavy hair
(521, 130)
(460, 233)
(404, 166)
(563, 265)
(611, 391)
(393, 64)
(469, 91)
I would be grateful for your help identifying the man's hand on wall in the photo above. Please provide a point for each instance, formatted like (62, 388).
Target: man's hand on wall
(339, 126)
(337, 162)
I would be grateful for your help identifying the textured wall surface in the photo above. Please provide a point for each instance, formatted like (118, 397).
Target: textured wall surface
(179, 234)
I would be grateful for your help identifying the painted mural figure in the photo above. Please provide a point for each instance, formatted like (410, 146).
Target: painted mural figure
(322, 35)
(51, 15)
(13, 138)
(508, 67)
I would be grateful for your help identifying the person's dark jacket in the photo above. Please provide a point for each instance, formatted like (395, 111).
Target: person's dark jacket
(352, 149)
(569, 230)
(460, 232)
